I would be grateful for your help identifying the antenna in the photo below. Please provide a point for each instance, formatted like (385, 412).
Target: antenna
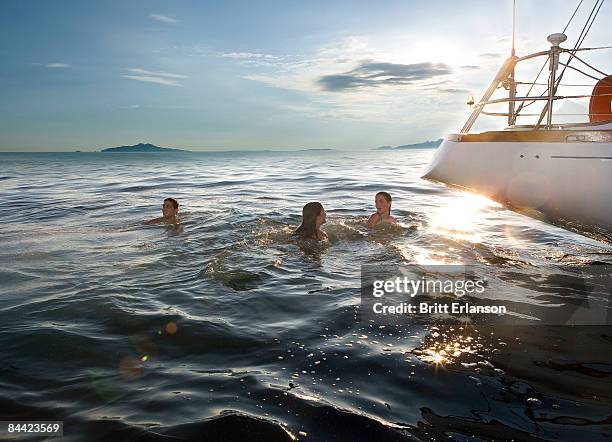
(513, 24)
(510, 83)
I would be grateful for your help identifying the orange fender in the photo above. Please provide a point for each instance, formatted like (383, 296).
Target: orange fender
(601, 101)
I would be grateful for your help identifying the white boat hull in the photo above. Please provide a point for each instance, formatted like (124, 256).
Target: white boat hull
(570, 181)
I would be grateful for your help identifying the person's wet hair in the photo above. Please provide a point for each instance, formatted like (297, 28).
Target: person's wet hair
(173, 201)
(387, 197)
(308, 228)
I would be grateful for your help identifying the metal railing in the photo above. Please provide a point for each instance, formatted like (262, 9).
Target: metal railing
(505, 78)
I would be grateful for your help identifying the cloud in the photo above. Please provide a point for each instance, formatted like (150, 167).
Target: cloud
(374, 74)
(158, 80)
(249, 56)
(165, 78)
(490, 55)
(454, 90)
(370, 78)
(57, 65)
(469, 67)
(164, 18)
(155, 74)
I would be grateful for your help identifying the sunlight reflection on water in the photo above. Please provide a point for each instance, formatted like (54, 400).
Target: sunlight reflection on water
(229, 312)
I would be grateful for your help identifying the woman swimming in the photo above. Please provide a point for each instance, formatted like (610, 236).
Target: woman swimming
(313, 217)
(383, 210)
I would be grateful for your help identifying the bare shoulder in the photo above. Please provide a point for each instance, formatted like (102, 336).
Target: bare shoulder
(155, 221)
(373, 220)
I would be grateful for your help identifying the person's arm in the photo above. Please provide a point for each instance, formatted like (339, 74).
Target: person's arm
(374, 219)
(155, 220)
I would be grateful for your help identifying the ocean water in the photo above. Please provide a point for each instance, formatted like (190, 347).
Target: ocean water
(226, 329)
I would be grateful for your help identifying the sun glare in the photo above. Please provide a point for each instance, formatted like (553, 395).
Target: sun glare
(408, 48)
(461, 216)
(449, 347)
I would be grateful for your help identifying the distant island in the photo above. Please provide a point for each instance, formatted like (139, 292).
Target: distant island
(142, 147)
(423, 145)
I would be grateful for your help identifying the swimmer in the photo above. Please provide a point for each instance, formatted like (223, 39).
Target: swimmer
(169, 211)
(383, 210)
(313, 217)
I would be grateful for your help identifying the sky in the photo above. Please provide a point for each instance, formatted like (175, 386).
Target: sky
(239, 75)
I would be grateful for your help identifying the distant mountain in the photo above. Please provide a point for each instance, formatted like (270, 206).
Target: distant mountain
(142, 147)
(423, 145)
(571, 112)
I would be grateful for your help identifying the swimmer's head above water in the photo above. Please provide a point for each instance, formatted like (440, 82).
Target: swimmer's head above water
(383, 203)
(170, 210)
(313, 217)
(383, 210)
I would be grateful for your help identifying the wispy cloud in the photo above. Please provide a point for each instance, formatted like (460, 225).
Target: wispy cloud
(351, 64)
(158, 80)
(353, 80)
(490, 55)
(155, 74)
(249, 56)
(454, 90)
(165, 78)
(374, 74)
(164, 18)
(57, 65)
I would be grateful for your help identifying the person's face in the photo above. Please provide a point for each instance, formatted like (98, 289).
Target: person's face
(382, 205)
(321, 218)
(168, 209)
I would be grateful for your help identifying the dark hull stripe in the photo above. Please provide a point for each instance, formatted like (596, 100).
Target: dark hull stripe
(581, 158)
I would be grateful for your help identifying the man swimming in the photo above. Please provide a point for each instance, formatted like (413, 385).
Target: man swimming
(383, 210)
(169, 211)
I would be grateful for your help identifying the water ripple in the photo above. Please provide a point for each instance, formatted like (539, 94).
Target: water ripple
(226, 324)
